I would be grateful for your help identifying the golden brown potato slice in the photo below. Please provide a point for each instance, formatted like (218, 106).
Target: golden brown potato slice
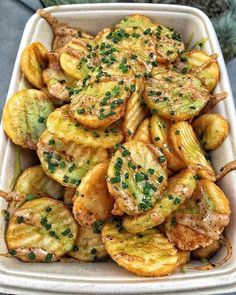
(33, 62)
(175, 96)
(89, 246)
(201, 219)
(159, 130)
(68, 196)
(56, 80)
(180, 188)
(201, 65)
(63, 33)
(67, 163)
(41, 230)
(135, 20)
(148, 254)
(24, 117)
(92, 201)
(208, 251)
(102, 102)
(33, 181)
(137, 176)
(78, 58)
(187, 146)
(64, 127)
(143, 132)
(211, 130)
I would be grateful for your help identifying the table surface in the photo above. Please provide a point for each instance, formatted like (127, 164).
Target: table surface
(13, 17)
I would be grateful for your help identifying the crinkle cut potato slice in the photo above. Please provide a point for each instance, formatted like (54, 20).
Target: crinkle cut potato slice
(187, 146)
(64, 127)
(200, 65)
(56, 80)
(159, 131)
(41, 230)
(175, 96)
(135, 20)
(33, 181)
(148, 254)
(78, 58)
(137, 176)
(92, 201)
(24, 117)
(101, 102)
(68, 196)
(89, 246)
(67, 163)
(211, 130)
(143, 132)
(180, 187)
(33, 62)
(201, 219)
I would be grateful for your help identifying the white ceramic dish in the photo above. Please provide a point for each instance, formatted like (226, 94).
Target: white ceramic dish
(58, 278)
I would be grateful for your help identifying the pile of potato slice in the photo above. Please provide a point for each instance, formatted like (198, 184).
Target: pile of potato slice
(122, 126)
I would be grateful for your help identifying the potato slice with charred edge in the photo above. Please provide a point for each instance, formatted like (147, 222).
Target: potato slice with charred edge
(208, 251)
(159, 130)
(67, 163)
(24, 117)
(201, 219)
(41, 230)
(148, 254)
(200, 65)
(211, 130)
(78, 58)
(33, 181)
(92, 201)
(175, 96)
(33, 62)
(180, 188)
(102, 102)
(188, 148)
(89, 246)
(143, 132)
(137, 176)
(64, 127)
(68, 196)
(56, 80)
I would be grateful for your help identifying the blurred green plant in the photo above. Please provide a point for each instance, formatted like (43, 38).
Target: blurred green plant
(221, 12)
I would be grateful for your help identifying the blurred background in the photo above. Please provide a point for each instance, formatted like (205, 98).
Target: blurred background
(15, 13)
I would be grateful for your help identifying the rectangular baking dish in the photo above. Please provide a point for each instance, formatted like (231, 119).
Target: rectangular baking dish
(107, 277)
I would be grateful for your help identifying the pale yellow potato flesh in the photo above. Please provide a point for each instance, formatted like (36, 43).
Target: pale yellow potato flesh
(143, 132)
(137, 176)
(187, 146)
(33, 62)
(41, 230)
(148, 254)
(24, 117)
(33, 181)
(92, 201)
(64, 127)
(211, 130)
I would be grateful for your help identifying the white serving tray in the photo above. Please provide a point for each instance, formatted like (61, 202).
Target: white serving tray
(17, 277)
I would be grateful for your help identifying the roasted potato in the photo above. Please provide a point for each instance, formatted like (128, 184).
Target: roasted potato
(33, 62)
(78, 58)
(201, 219)
(159, 131)
(41, 230)
(148, 254)
(92, 201)
(143, 132)
(67, 163)
(188, 148)
(137, 176)
(102, 102)
(208, 251)
(68, 196)
(24, 117)
(64, 127)
(180, 188)
(135, 20)
(175, 96)
(211, 130)
(33, 181)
